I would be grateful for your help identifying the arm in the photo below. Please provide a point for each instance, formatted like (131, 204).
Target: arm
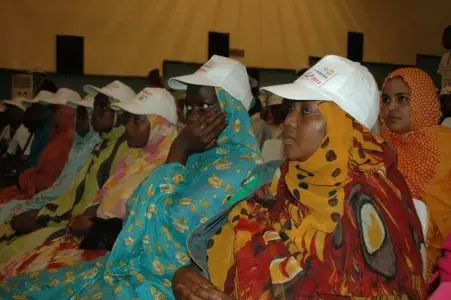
(166, 207)
(49, 167)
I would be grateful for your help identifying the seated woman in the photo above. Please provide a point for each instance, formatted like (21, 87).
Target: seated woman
(32, 228)
(150, 129)
(342, 223)
(206, 164)
(410, 113)
(37, 120)
(84, 141)
(14, 137)
(53, 158)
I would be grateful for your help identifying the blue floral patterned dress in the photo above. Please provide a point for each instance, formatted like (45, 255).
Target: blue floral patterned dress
(162, 212)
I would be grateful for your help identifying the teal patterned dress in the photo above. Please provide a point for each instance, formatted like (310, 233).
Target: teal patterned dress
(162, 212)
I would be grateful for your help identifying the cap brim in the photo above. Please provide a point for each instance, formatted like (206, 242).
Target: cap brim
(50, 102)
(93, 90)
(181, 82)
(74, 104)
(297, 91)
(14, 103)
(133, 107)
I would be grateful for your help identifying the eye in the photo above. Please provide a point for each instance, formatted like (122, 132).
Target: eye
(404, 98)
(385, 99)
(188, 107)
(308, 109)
(205, 106)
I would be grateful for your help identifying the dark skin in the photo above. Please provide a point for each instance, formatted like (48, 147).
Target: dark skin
(82, 122)
(304, 130)
(204, 122)
(138, 132)
(277, 114)
(103, 121)
(180, 109)
(103, 116)
(33, 117)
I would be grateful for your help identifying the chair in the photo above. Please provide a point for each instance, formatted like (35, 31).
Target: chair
(423, 215)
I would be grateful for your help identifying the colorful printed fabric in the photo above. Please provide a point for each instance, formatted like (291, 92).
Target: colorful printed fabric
(343, 224)
(134, 167)
(56, 214)
(51, 161)
(161, 213)
(79, 153)
(424, 156)
(131, 170)
(40, 140)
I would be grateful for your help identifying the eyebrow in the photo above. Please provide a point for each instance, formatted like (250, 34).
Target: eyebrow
(401, 94)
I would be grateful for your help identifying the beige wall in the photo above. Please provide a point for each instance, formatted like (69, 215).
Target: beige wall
(130, 36)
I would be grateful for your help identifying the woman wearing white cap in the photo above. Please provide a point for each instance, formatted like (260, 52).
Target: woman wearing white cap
(337, 220)
(206, 164)
(150, 130)
(14, 136)
(84, 141)
(32, 228)
(53, 158)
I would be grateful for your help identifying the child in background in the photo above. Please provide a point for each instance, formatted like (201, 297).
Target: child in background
(444, 68)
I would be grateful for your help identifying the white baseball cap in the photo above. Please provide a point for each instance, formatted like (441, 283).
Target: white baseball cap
(151, 101)
(62, 96)
(116, 90)
(42, 95)
(219, 71)
(19, 102)
(87, 101)
(350, 85)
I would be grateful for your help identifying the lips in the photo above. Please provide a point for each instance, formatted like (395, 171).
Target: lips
(288, 139)
(393, 118)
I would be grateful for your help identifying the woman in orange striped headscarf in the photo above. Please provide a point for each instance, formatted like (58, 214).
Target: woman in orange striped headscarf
(410, 114)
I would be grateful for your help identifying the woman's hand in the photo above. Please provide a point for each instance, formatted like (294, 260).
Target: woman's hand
(188, 283)
(80, 225)
(26, 222)
(198, 135)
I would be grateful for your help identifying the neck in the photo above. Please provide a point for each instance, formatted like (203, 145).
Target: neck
(82, 133)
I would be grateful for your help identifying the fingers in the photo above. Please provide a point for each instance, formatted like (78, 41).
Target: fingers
(196, 291)
(216, 129)
(187, 293)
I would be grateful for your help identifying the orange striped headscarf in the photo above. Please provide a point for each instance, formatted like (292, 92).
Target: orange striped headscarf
(420, 149)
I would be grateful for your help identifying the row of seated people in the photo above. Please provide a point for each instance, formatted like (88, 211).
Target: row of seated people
(140, 210)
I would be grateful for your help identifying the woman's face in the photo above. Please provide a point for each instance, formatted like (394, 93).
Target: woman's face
(303, 130)
(82, 122)
(138, 130)
(199, 101)
(395, 106)
(102, 118)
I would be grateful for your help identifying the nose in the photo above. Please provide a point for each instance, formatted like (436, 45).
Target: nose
(392, 105)
(290, 120)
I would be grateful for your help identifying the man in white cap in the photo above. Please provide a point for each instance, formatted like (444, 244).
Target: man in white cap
(14, 136)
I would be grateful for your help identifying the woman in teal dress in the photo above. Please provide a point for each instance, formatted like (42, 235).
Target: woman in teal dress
(206, 165)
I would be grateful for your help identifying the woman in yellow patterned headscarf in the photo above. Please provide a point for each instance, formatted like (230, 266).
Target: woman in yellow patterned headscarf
(336, 220)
